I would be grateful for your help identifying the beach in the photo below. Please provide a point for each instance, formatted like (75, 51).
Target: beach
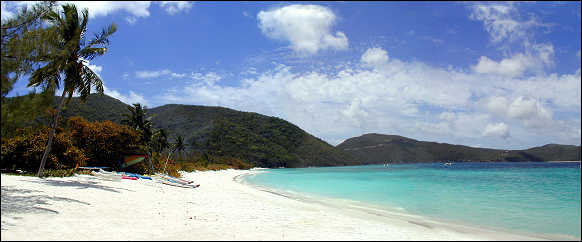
(84, 207)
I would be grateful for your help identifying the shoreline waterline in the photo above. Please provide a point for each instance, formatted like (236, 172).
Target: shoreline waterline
(380, 212)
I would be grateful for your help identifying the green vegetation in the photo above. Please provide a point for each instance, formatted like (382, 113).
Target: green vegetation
(78, 143)
(254, 138)
(378, 148)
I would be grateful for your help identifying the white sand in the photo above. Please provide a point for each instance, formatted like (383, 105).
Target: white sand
(88, 208)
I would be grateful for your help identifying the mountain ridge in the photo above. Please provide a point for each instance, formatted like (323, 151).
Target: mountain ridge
(379, 148)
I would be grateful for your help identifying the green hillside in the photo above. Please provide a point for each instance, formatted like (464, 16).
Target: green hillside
(261, 140)
(96, 108)
(379, 148)
(265, 141)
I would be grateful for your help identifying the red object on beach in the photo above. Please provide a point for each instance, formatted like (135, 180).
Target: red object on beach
(128, 177)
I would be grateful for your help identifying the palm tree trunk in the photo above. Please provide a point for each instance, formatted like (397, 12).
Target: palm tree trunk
(167, 160)
(51, 135)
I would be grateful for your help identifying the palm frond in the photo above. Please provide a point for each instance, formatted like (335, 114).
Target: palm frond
(90, 53)
(103, 37)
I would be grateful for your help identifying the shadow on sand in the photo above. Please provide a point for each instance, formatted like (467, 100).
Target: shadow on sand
(22, 201)
(78, 184)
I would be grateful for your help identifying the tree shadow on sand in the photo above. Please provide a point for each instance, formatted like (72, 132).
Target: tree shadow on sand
(79, 184)
(22, 201)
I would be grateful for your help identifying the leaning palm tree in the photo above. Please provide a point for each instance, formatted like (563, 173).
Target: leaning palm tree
(68, 61)
(178, 146)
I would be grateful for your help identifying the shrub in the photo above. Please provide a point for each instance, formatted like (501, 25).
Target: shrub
(25, 151)
(104, 142)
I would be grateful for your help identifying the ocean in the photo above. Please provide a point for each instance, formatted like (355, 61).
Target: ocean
(530, 197)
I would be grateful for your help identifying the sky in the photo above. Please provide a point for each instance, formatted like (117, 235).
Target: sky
(502, 75)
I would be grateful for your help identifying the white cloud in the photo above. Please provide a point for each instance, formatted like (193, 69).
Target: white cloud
(250, 71)
(177, 75)
(173, 7)
(306, 27)
(514, 66)
(497, 130)
(135, 9)
(531, 111)
(536, 58)
(104, 8)
(500, 21)
(131, 20)
(162, 73)
(208, 78)
(152, 74)
(127, 99)
(375, 57)
(97, 69)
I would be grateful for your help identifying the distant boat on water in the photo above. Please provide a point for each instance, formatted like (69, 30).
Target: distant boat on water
(448, 163)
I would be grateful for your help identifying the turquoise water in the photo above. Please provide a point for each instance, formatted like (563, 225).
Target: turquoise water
(534, 197)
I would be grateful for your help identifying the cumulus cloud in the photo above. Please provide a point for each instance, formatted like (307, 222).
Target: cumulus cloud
(536, 58)
(173, 7)
(375, 57)
(531, 111)
(513, 66)
(497, 130)
(306, 27)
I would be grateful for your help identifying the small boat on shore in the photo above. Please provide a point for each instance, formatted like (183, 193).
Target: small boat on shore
(107, 175)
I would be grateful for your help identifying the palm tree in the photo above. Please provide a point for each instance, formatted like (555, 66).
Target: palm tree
(137, 120)
(178, 146)
(69, 59)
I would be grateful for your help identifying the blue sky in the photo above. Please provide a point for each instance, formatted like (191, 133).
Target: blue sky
(497, 74)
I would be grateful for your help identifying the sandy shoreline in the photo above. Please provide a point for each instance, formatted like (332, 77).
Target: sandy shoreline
(88, 208)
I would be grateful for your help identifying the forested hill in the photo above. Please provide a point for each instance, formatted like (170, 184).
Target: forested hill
(267, 141)
(96, 108)
(378, 148)
(261, 140)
